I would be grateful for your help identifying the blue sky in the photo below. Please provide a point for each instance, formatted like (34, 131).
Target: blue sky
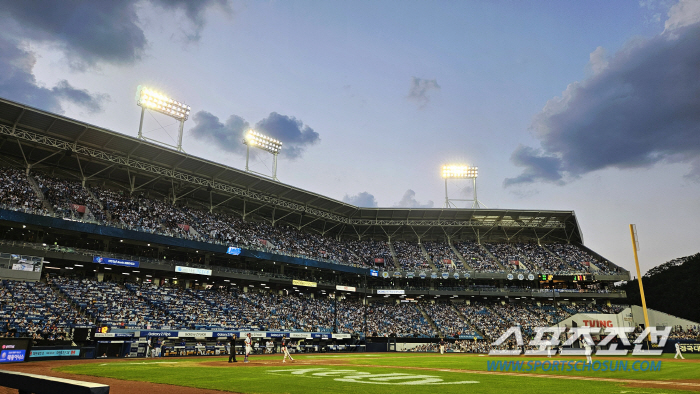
(584, 106)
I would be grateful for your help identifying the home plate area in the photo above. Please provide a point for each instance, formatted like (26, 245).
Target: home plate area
(353, 376)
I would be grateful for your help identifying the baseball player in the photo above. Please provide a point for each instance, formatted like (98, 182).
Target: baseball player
(678, 352)
(248, 347)
(442, 346)
(157, 348)
(587, 346)
(285, 351)
(149, 347)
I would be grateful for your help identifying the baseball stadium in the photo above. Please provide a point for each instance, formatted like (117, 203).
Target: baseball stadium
(130, 267)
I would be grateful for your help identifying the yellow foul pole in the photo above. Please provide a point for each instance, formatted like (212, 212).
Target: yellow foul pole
(635, 247)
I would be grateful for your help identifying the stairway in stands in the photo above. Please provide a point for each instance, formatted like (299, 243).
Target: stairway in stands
(429, 320)
(488, 253)
(40, 195)
(97, 201)
(393, 255)
(426, 255)
(470, 324)
(556, 256)
(459, 255)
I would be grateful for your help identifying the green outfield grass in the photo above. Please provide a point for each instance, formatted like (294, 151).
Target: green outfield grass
(379, 373)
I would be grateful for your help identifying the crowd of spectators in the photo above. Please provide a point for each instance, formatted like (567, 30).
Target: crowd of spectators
(229, 230)
(112, 304)
(33, 309)
(477, 258)
(159, 215)
(689, 332)
(442, 256)
(446, 319)
(351, 316)
(520, 315)
(69, 199)
(510, 256)
(145, 214)
(17, 194)
(580, 260)
(183, 307)
(460, 346)
(36, 309)
(543, 259)
(255, 310)
(549, 313)
(410, 256)
(372, 252)
(488, 322)
(400, 320)
(573, 309)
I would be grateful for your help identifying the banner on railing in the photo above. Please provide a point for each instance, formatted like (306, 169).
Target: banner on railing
(190, 270)
(112, 261)
(78, 208)
(54, 353)
(304, 283)
(390, 291)
(233, 251)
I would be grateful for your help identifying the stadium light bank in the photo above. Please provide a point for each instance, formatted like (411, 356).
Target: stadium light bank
(268, 144)
(460, 171)
(150, 99)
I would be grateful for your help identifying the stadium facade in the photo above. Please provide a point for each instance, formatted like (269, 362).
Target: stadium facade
(218, 226)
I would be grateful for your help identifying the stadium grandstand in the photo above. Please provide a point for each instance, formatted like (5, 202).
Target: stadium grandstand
(103, 230)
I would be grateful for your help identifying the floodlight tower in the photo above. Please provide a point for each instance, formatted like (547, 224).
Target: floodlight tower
(460, 171)
(268, 144)
(149, 99)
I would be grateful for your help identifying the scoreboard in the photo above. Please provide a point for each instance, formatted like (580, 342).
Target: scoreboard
(567, 278)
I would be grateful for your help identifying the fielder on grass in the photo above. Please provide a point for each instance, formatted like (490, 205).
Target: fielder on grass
(678, 352)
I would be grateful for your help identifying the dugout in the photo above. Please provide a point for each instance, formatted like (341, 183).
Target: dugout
(117, 348)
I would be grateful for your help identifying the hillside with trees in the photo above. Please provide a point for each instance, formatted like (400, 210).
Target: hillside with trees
(672, 287)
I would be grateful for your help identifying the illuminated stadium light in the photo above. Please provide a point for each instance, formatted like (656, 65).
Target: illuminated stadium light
(153, 100)
(257, 140)
(160, 102)
(254, 139)
(460, 171)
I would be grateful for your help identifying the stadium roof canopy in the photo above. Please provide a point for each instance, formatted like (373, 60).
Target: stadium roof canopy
(47, 142)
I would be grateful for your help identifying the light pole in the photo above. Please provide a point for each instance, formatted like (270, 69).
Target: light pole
(149, 99)
(460, 171)
(268, 144)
